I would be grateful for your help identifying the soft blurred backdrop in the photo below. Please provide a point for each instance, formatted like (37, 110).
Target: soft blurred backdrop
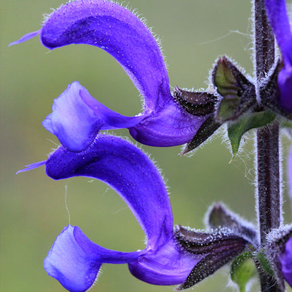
(33, 213)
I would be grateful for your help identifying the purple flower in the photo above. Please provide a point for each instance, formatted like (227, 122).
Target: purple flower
(278, 16)
(290, 172)
(286, 262)
(75, 261)
(119, 32)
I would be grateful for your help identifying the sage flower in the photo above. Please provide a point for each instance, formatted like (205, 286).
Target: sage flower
(75, 261)
(123, 35)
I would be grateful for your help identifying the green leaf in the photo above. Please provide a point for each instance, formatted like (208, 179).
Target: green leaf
(242, 270)
(224, 79)
(238, 129)
(238, 93)
(227, 108)
(265, 263)
(227, 86)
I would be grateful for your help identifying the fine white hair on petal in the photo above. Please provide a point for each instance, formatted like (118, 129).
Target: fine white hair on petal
(134, 11)
(144, 21)
(96, 279)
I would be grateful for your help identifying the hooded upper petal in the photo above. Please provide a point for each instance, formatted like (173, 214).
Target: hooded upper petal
(119, 32)
(279, 20)
(122, 34)
(131, 173)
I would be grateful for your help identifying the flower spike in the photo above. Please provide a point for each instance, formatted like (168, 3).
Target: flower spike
(123, 35)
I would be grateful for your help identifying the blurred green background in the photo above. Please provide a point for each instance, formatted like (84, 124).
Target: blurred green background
(33, 213)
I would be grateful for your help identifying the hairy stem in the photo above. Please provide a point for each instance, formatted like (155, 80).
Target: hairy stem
(264, 41)
(268, 159)
(268, 191)
(268, 179)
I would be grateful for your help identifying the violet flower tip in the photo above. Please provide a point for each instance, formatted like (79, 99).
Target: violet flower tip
(25, 38)
(31, 166)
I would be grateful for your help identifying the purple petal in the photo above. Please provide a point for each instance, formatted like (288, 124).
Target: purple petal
(170, 126)
(75, 261)
(168, 265)
(285, 80)
(278, 17)
(77, 117)
(131, 173)
(119, 32)
(72, 121)
(286, 262)
(127, 170)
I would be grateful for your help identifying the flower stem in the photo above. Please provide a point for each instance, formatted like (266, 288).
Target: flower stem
(264, 41)
(268, 191)
(268, 179)
(267, 138)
